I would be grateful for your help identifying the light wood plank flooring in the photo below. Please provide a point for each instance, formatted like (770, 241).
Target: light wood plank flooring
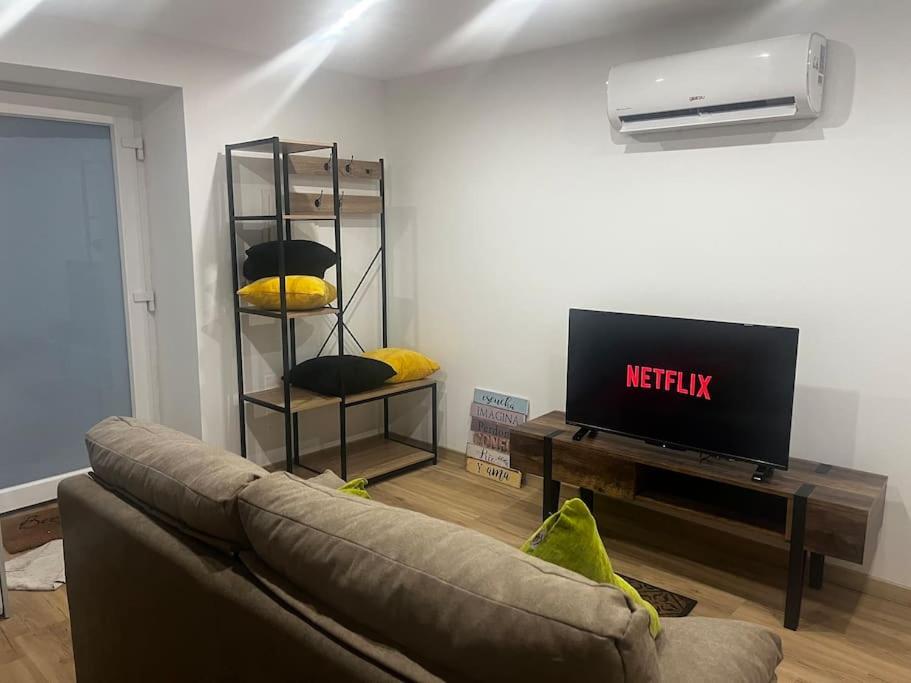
(844, 635)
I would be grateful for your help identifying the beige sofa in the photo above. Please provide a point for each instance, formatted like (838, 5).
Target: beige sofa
(186, 563)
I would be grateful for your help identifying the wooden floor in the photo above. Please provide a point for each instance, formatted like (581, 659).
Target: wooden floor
(843, 636)
(35, 642)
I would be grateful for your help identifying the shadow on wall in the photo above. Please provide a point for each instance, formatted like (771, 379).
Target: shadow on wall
(215, 311)
(837, 103)
(403, 274)
(825, 425)
(410, 416)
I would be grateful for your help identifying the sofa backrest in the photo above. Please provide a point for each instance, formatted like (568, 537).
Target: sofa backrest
(150, 604)
(463, 605)
(173, 476)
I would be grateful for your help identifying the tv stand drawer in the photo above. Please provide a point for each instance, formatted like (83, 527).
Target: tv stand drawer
(593, 469)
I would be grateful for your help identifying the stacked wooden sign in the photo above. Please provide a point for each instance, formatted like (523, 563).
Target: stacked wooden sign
(493, 415)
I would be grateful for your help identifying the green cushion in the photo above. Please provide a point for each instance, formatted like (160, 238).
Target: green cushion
(356, 487)
(569, 538)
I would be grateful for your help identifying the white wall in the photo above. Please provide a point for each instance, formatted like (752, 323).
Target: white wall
(221, 104)
(171, 260)
(511, 202)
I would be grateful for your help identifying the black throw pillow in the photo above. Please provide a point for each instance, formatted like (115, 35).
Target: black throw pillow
(302, 257)
(340, 375)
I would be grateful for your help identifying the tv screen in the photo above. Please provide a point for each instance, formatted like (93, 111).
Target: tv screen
(719, 388)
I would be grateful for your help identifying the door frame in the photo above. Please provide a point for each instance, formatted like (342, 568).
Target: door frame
(132, 219)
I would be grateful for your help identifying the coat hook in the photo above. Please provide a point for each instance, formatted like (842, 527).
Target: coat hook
(319, 200)
(348, 165)
(328, 165)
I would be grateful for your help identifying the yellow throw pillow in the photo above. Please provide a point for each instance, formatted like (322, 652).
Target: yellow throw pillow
(356, 487)
(303, 293)
(408, 365)
(569, 538)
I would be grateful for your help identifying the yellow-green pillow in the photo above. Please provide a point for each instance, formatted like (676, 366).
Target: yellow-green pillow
(303, 292)
(569, 538)
(356, 487)
(408, 365)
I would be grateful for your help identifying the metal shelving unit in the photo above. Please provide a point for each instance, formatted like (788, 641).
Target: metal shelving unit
(290, 158)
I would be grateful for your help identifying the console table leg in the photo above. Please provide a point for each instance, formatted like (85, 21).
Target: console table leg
(817, 568)
(797, 558)
(554, 496)
(547, 498)
(588, 497)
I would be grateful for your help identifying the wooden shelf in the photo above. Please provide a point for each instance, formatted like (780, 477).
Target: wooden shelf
(305, 169)
(265, 146)
(305, 204)
(296, 146)
(303, 400)
(369, 458)
(320, 167)
(292, 315)
(309, 216)
(388, 390)
(256, 219)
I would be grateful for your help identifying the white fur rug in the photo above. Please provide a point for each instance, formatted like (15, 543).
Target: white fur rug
(39, 569)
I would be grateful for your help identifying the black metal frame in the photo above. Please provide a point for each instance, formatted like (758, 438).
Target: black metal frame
(281, 176)
(797, 559)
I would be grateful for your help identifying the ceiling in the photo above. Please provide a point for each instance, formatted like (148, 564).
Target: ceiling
(382, 38)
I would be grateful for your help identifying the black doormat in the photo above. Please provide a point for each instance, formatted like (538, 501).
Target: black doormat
(668, 604)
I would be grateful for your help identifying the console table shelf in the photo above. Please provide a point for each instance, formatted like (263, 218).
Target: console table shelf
(811, 507)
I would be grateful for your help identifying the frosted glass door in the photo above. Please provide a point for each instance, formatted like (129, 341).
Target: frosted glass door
(64, 363)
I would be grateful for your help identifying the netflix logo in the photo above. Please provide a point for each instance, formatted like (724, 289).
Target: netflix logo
(661, 379)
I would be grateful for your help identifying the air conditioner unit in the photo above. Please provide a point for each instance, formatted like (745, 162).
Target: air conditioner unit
(768, 80)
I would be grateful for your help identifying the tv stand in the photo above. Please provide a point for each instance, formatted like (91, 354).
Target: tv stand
(809, 509)
(763, 473)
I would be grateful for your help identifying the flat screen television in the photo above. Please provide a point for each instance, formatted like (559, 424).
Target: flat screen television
(718, 388)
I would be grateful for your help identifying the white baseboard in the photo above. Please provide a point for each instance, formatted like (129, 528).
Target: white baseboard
(33, 492)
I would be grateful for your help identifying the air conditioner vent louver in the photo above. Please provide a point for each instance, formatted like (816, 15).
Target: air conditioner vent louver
(714, 109)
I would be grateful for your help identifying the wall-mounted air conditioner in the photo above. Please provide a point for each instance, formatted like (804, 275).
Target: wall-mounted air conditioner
(768, 80)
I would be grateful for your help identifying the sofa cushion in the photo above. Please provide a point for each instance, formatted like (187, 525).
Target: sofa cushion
(703, 650)
(460, 603)
(329, 479)
(308, 607)
(173, 476)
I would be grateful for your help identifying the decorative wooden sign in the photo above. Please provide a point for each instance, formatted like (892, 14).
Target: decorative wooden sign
(487, 455)
(487, 427)
(497, 400)
(504, 475)
(493, 415)
(500, 415)
(488, 441)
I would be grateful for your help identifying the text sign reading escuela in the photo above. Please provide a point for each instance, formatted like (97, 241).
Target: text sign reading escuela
(497, 400)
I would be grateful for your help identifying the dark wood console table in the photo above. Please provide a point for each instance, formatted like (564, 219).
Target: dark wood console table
(812, 507)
